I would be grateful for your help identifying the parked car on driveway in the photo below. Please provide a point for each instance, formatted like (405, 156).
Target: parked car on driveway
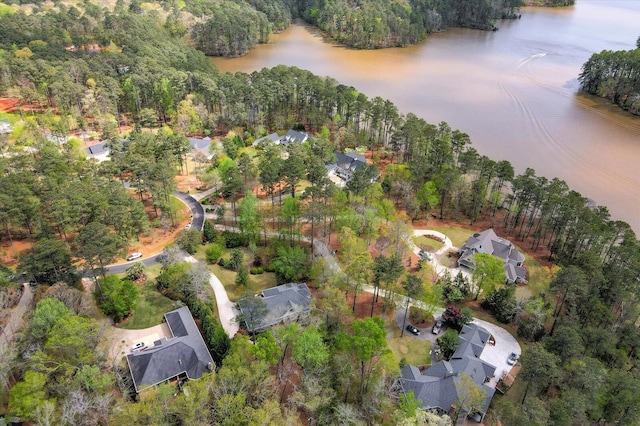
(413, 330)
(188, 226)
(425, 255)
(134, 256)
(138, 346)
(437, 327)
(513, 358)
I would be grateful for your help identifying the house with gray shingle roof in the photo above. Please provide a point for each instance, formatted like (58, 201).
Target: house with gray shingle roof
(346, 164)
(488, 242)
(285, 303)
(436, 386)
(292, 136)
(98, 151)
(183, 355)
(203, 145)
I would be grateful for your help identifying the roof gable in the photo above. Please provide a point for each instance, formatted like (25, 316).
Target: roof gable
(283, 302)
(185, 353)
(436, 386)
(489, 243)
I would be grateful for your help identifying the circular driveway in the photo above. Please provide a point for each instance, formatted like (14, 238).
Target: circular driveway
(497, 354)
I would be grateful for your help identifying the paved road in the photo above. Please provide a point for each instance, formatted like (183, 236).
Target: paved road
(197, 211)
(197, 222)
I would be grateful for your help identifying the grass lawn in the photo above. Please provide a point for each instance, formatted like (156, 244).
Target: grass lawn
(13, 118)
(428, 243)
(539, 278)
(181, 209)
(151, 307)
(414, 351)
(457, 235)
(257, 283)
(515, 392)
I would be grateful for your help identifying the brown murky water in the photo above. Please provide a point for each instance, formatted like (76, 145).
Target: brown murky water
(514, 91)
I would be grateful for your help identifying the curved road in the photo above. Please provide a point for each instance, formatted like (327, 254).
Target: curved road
(197, 222)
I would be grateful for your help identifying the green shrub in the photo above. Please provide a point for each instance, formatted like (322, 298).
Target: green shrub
(242, 279)
(213, 253)
(234, 239)
(257, 271)
(117, 297)
(236, 259)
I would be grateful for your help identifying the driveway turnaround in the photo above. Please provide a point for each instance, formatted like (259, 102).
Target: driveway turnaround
(497, 354)
(123, 340)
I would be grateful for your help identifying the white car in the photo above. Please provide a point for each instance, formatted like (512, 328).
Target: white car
(188, 226)
(138, 346)
(134, 256)
(425, 255)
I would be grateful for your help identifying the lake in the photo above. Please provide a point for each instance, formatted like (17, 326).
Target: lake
(514, 91)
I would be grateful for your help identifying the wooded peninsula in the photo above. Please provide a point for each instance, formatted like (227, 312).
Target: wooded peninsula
(281, 207)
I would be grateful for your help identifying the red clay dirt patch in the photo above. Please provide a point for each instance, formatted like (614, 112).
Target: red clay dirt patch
(8, 104)
(149, 244)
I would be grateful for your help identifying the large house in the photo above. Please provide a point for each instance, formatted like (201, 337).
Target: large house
(183, 355)
(341, 171)
(285, 303)
(292, 136)
(203, 145)
(488, 242)
(438, 387)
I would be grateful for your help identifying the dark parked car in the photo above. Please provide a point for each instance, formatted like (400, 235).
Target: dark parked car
(437, 327)
(413, 330)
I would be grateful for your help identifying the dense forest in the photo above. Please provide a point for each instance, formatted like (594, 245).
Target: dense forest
(550, 3)
(232, 28)
(614, 76)
(128, 67)
(377, 24)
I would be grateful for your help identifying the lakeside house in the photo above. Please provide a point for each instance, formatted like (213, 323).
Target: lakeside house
(488, 242)
(98, 151)
(346, 164)
(439, 387)
(184, 355)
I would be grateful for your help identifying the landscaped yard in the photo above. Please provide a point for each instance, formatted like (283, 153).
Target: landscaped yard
(414, 351)
(257, 283)
(427, 243)
(539, 278)
(457, 235)
(150, 308)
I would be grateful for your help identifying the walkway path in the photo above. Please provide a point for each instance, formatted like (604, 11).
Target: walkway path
(17, 315)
